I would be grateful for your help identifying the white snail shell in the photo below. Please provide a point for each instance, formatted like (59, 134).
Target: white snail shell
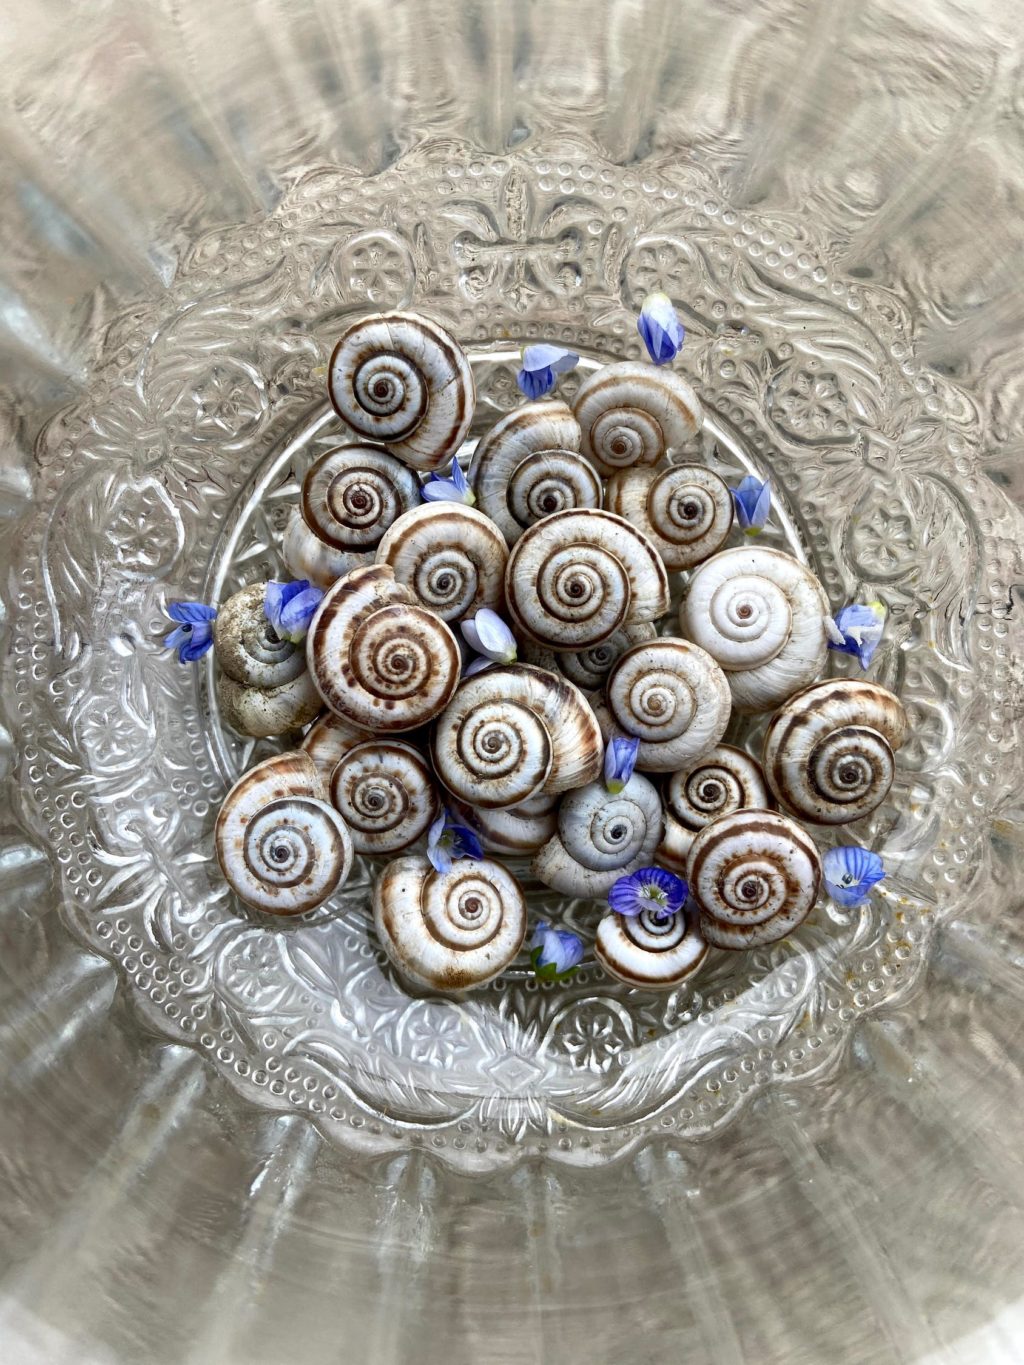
(449, 931)
(378, 659)
(724, 780)
(513, 830)
(307, 556)
(282, 847)
(513, 733)
(685, 511)
(601, 837)
(385, 794)
(264, 711)
(576, 577)
(755, 876)
(760, 613)
(634, 414)
(401, 379)
(647, 951)
(451, 558)
(672, 697)
(828, 752)
(589, 668)
(328, 740)
(247, 647)
(546, 426)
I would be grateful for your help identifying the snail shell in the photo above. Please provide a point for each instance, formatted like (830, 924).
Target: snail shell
(451, 558)
(755, 875)
(264, 711)
(760, 613)
(577, 577)
(828, 752)
(282, 847)
(400, 379)
(514, 830)
(450, 931)
(673, 698)
(547, 426)
(601, 838)
(634, 414)
(328, 741)
(513, 733)
(648, 951)
(306, 556)
(685, 511)
(589, 668)
(248, 648)
(724, 780)
(378, 659)
(385, 794)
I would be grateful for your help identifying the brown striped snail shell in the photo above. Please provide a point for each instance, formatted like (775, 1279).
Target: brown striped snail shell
(451, 558)
(601, 838)
(724, 780)
(589, 668)
(514, 831)
(449, 931)
(828, 752)
(577, 577)
(386, 795)
(378, 659)
(400, 379)
(328, 740)
(760, 614)
(306, 556)
(513, 733)
(755, 876)
(282, 847)
(652, 952)
(634, 414)
(263, 688)
(685, 511)
(546, 427)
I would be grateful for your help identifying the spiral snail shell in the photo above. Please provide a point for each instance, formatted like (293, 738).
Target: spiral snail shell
(577, 577)
(724, 780)
(451, 558)
(282, 847)
(263, 687)
(650, 951)
(634, 414)
(513, 733)
(601, 838)
(385, 794)
(670, 695)
(755, 876)
(828, 752)
(378, 659)
(589, 668)
(450, 931)
(307, 556)
(685, 511)
(760, 614)
(400, 379)
(513, 830)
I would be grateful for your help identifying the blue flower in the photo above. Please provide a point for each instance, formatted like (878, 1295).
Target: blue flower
(541, 363)
(447, 840)
(194, 635)
(488, 634)
(619, 762)
(850, 873)
(454, 489)
(289, 607)
(856, 630)
(556, 953)
(660, 328)
(652, 888)
(753, 501)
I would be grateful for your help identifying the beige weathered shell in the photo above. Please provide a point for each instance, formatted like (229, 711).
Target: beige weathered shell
(685, 510)
(589, 668)
(247, 647)
(546, 426)
(513, 733)
(601, 838)
(400, 379)
(386, 795)
(828, 752)
(577, 577)
(449, 931)
(760, 613)
(306, 556)
(647, 951)
(755, 876)
(634, 414)
(378, 659)
(451, 558)
(512, 830)
(264, 711)
(724, 780)
(328, 740)
(282, 847)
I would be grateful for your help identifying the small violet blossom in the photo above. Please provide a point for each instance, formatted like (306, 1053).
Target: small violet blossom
(447, 840)
(660, 328)
(541, 364)
(857, 630)
(494, 643)
(555, 953)
(619, 762)
(289, 607)
(194, 633)
(651, 889)
(753, 501)
(453, 489)
(850, 873)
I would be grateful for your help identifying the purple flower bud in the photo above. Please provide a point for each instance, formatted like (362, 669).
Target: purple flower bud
(556, 953)
(541, 364)
(454, 489)
(289, 607)
(487, 634)
(448, 840)
(753, 500)
(850, 873)
(660, 328)
(857, 630)
(619, 762)
(194, 634)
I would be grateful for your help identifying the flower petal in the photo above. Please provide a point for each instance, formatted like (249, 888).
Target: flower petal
(440, 490)
(536, 383)
(477, 665)
(191, 613)
(496, 640)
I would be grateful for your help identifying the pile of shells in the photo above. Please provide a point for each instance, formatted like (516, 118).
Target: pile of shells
(582, 516)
